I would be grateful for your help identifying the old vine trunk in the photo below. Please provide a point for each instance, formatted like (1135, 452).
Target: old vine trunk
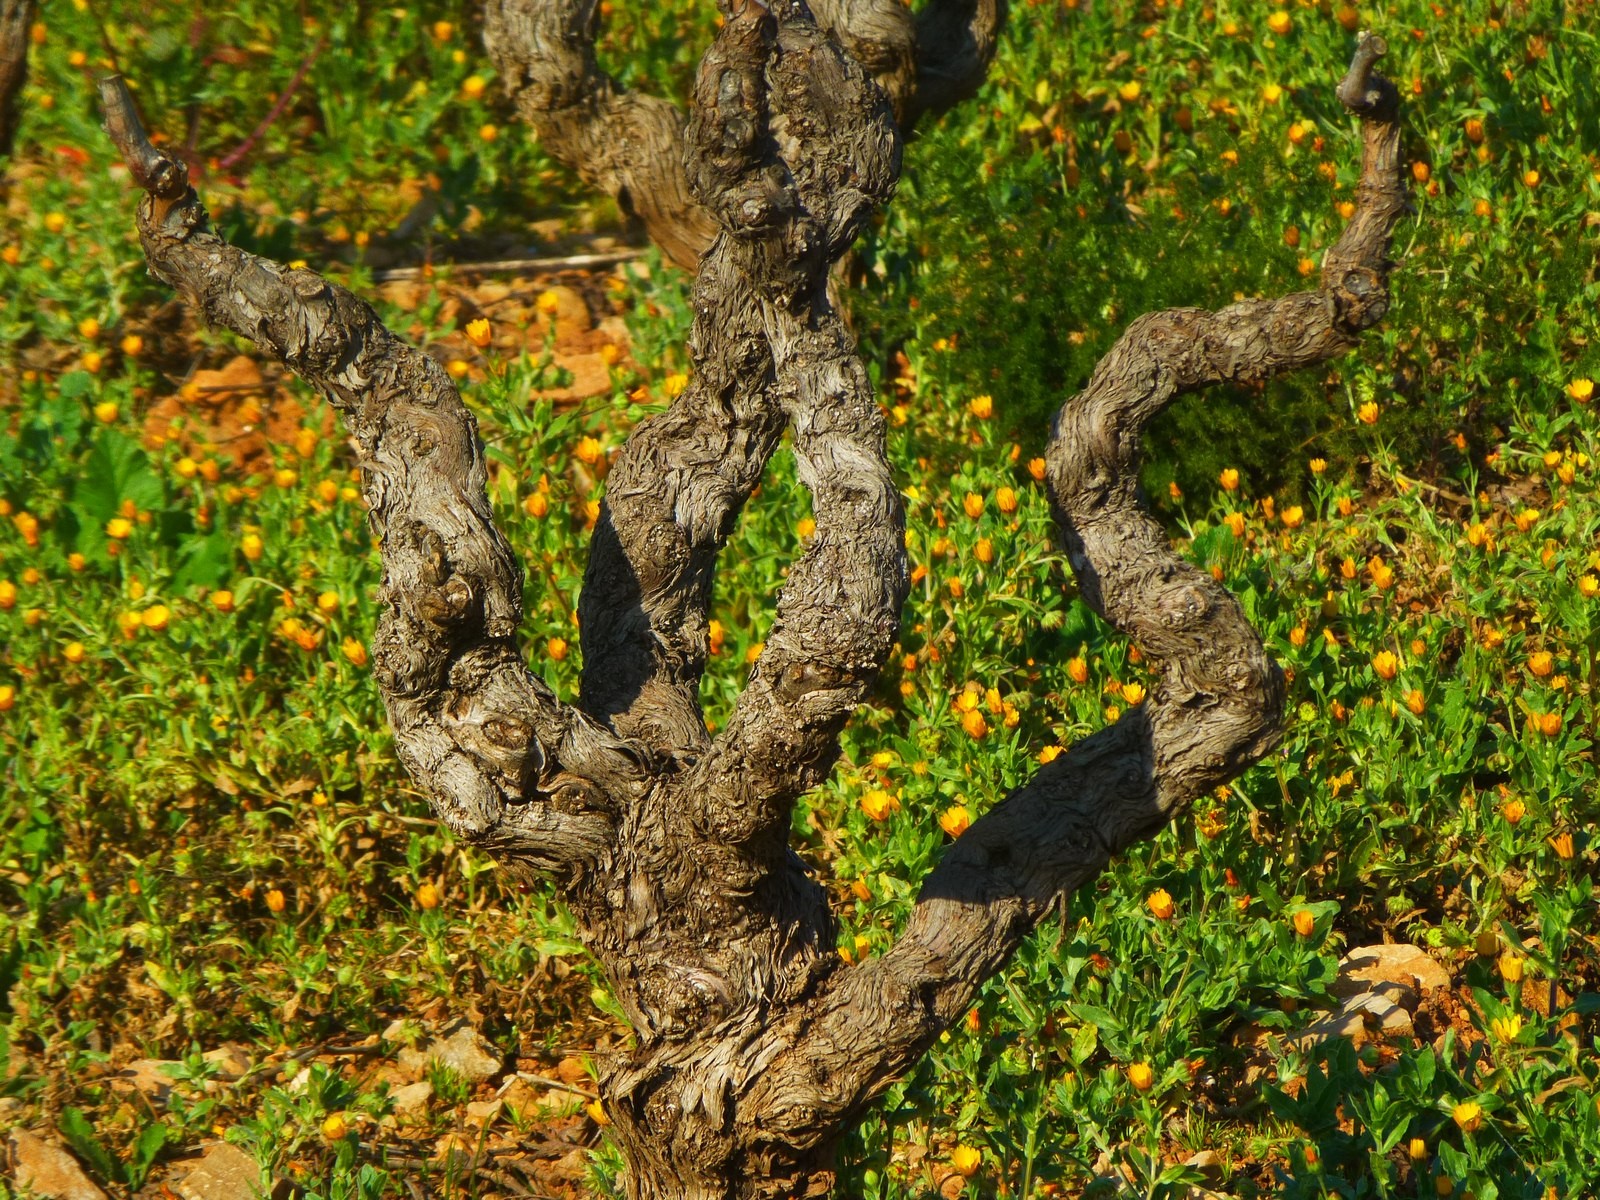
(16, 28)
(756, 1047)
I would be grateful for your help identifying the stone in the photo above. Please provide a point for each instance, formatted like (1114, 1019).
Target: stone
(455, 1149)
(230, 1059)
(1207, 1162)
(483, 1112)
(48, 1171)
(148, 1077)
(574, 1164)
(239, 375)
(225, 1173)
(526, 1101)
(1366, 1016)
(571, 311)
(412, 1099)
(1409, 966)
(402, 1029)
(461, 1048)
(405, 294)
(573, 1071)
(590, 377)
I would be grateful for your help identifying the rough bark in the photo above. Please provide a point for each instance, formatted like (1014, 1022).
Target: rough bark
(1216, 709)
(508, 767)
(16, 22)
(756, 1048)
(632, 146)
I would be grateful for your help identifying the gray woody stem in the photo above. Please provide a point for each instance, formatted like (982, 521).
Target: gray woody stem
(506, 765)
(1217, 707)
(16, 22)
(633, 147)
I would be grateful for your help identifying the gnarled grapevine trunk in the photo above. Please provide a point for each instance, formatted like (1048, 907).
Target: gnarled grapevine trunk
(756, 1047)
(16, 23)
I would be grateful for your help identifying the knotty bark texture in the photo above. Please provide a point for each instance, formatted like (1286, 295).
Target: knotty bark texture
(16, 22)
(632, 146)
(756, 1048)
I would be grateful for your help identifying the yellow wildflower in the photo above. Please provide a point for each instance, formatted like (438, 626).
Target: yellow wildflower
(879, 804)
(1505, 1029)
(955, 820)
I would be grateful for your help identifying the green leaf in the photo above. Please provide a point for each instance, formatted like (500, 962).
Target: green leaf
(1094, 1015)
(74, 384)
(75, 1127)
(1085, 1039)
(146, 1148)
(116, 470)
(205, 561)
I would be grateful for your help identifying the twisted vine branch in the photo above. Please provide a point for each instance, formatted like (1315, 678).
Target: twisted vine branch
(477, 728)
(1216, 709)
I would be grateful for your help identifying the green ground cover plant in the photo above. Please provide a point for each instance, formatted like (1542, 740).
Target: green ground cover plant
(208, 842)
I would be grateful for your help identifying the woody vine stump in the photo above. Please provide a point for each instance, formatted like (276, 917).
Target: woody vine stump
(757, 1048)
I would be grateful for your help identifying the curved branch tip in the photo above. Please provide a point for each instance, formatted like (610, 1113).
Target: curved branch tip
(163, 176)
(1361, 91)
